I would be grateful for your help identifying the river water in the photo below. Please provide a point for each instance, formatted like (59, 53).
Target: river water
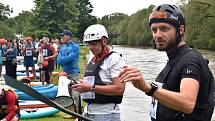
(135, 103)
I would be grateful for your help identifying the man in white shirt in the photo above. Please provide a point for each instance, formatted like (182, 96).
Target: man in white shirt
(100, 86)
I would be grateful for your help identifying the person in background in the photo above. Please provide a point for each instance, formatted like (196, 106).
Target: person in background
(2, 42)
(56, 46)
(1, 62)
(10, 53)
(55, 43)
(19, 53)
(40, 58)
(184, 89)
(100, 87)
(49, 54)
(28, 51)
(68, 58)
(9, 109)
(21, 45)
(36, 45)
(16, 45)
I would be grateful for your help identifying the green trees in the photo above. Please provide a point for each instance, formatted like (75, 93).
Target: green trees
(5, 11)
(53, 16)
(116, 24)
(5, 30)
(138, 30)
(85, 18)
(129, 30)
(134, 30)
(200, 25)
(23, 22)
(50, 17)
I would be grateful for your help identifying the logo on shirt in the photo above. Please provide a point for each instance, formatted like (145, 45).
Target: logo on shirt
(188, 71)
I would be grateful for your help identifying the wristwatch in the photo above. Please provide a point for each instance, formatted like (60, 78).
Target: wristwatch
(153, 89)
(93, 88)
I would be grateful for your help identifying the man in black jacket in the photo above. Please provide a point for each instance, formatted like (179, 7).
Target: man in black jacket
(184, 89)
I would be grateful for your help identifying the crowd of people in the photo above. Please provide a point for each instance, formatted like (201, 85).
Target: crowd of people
(183, 91)
(44, 50)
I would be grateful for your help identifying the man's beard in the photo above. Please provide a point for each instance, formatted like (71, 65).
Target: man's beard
(171, 44)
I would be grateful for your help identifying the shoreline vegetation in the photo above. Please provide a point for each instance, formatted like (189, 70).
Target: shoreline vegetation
(59, 116)
(124, 29)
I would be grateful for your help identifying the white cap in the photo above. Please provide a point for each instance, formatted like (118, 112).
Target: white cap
(95, 32)
(45, 38)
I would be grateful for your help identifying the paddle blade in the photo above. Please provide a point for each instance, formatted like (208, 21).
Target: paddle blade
(30, 91)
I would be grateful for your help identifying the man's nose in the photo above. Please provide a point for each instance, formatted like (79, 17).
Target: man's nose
(158, 33)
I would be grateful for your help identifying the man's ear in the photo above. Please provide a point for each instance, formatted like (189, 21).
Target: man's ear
(182, 29)
(104, 40)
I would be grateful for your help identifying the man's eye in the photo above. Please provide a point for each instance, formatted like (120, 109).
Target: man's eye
(164, 28)
(154, 30)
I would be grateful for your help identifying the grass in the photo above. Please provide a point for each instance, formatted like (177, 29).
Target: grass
(59, 116)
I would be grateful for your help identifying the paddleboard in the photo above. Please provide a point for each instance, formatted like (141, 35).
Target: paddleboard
(30, 113)
(31, 83)
(32, 104)
(50, 91)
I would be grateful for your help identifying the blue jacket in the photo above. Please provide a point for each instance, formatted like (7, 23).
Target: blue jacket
(68, 57)
(10, 55)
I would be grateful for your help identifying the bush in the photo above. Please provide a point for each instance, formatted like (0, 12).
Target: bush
(211, 44)
(5, 31)
(122, 40)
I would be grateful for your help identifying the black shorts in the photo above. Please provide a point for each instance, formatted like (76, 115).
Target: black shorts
(50, 67)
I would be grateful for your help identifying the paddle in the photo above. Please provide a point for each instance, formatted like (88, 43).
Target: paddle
(30, 91)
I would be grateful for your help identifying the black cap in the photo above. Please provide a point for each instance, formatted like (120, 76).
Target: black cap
(167, 13)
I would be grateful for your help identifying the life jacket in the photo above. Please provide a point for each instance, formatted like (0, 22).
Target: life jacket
(47, 51)
(93, 70)
(203, 108)
(4, 104)
(29, 52)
